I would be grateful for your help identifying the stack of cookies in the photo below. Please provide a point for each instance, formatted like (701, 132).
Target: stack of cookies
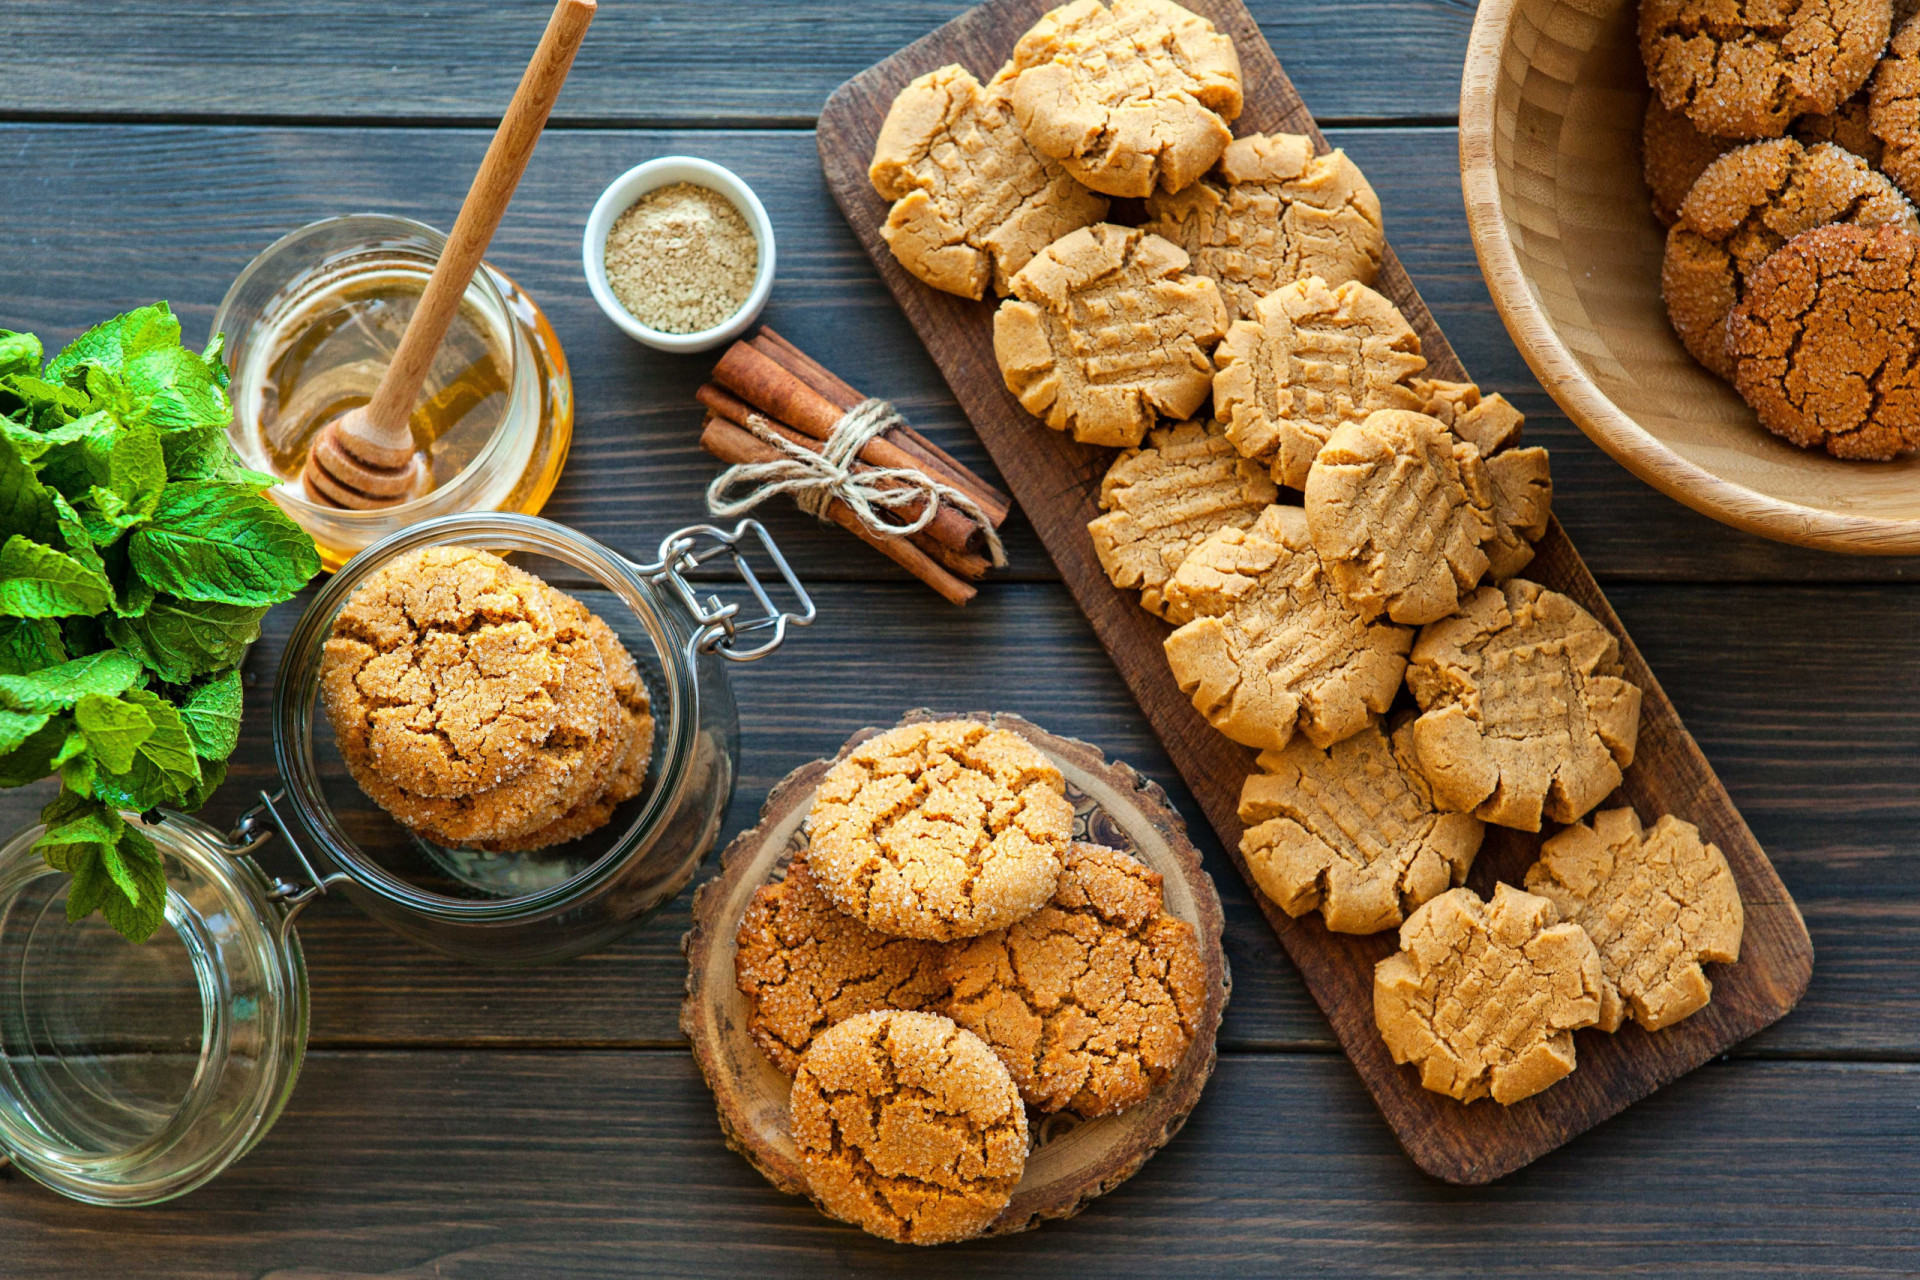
(943, 961)
(1781, 149)
(482, 708)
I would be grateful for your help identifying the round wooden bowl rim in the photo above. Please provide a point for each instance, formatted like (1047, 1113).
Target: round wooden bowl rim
(1604, 422)
(1172, 1101)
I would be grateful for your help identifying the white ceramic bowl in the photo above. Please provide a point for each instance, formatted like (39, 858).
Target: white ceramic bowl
(619, 197)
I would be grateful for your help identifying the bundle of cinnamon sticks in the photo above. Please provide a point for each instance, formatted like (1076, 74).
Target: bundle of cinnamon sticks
(801, 400)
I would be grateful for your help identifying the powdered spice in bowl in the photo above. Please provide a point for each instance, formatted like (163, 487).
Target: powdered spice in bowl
(679, 253)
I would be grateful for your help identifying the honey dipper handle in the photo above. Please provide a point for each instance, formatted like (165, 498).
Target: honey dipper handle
(480, 214)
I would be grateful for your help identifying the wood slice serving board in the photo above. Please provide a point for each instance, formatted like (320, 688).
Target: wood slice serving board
(1057, 483)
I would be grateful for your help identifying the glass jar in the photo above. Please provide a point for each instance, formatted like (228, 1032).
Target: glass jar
(277, 298)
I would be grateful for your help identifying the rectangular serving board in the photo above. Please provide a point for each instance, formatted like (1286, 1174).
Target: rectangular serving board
(1057, 483)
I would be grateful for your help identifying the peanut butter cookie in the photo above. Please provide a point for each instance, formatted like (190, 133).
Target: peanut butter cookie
(1742, 72)
(941, 830)
(1127, 97)
(1521, 479)
(1893, 108)
(1092, 1000)
(972, 200)
(454, 670)
(1312, 357)
(1273, 645)
(804, 965)
(1272, 212)
(1398, 507)
(1165, 499)
(1485, 997)
(1746, 205)
(1105, 331)
(1673, 155)
(1352, 830)
(1826, 344)
(908, 1127)
(1656, 903)
(1524, 708)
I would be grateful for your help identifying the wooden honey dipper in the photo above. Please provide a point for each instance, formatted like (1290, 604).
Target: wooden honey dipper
(365, 458)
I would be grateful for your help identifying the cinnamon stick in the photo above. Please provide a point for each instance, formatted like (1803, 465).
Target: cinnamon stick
(734, 446)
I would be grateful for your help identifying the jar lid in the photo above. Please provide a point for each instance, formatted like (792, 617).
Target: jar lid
(130, 1074)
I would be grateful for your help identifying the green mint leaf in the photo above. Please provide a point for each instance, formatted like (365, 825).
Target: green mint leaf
(220, 542)
(34, 759)
(179, 640)
(110, 344)
(107, 673)
(19, 353)
(38, 582)
(212, 715)
(88, 892)
(42, 405)
(74, 822)
(134, 596)
(26, 505)
(212, 774)
(164, 770)
(28, 644)
(140, 875)
(112, 727)
(173, 388)
(18, 726)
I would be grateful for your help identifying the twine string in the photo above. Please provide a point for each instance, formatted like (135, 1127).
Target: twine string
(816, 479)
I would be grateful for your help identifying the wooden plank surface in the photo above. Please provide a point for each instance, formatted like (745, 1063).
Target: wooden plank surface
(1057, 483)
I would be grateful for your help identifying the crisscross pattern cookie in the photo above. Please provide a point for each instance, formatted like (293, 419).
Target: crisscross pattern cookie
(1520, 478)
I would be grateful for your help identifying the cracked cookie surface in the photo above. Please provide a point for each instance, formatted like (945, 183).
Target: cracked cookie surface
(1130, 97)
(803, 965)
(972, 200)
(1826, 344)
(1273, 645)
(1746, 205)
(1524, 709)
(1165, 498)
(1893, 107)
(908, 1127)
(1520, 478)
(1398, 507)
(1673, 155)
(1485, 996)
(455, 673)
(1272, 212)
(1107, 330)
(1656, 903)
(1352, 831)
(941, 830)
(1744, 70)
(1313, 356)
(1093, 999)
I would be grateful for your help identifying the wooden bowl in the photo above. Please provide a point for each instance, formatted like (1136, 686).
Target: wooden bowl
(1551, 103)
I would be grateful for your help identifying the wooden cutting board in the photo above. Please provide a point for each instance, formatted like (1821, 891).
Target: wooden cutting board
(1057, 483)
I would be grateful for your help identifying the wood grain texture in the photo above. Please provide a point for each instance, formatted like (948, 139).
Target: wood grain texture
(684, 62)
(1057, 484)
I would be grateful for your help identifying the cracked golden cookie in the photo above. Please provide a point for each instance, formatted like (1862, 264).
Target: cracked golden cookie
(803, 965)
(1656, 903)
(1486, 996)
(1746, 205)
(1352, 830)
(1313, 356)
(453, 669)
(908, 1127)
(1848, 126)
(1273, 212)
(1164, 499)
(1273, 645)
(1826, 344)
(1398, 507)
(1092, 1000)
(972, 200)
(1524, 709)
(1106, 330)
(1127, 97)
(946, 829)
(1741, 72)
(1673, 155)
(1893, 107)
(1521, 479)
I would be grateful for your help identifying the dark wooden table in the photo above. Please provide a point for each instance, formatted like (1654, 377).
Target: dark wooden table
(459, 1122)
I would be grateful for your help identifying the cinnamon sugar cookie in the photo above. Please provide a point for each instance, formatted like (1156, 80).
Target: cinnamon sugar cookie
(1351, 830)
(1092, 1000)
(1848, 126)
(1312, 357)
(908, 1127)
(1893, 107)
(1127, 97)
(1673, 155)
(1105, 331)
(1271, 212)
(1273, 645)
(1164, 499)
(1746, 205)
(972, 200)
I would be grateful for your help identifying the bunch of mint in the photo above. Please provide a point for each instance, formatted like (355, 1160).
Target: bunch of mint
(137, 557)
